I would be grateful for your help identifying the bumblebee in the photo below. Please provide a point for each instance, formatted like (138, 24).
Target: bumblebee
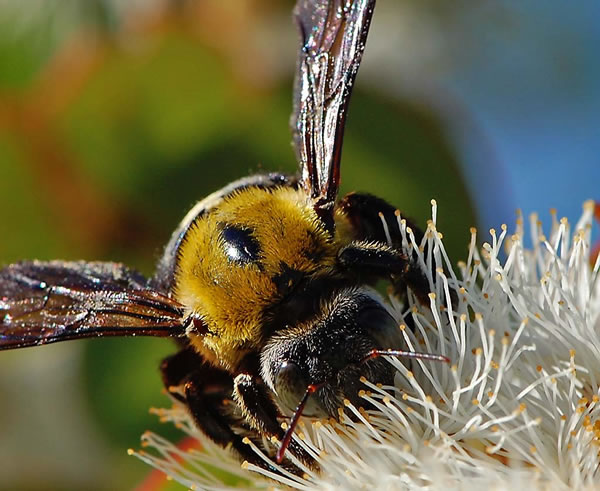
(265, 284)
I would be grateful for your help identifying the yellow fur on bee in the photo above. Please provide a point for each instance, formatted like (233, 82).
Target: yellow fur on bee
(231, 297)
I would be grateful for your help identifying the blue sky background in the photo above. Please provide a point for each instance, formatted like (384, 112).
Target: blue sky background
(536, 96)
(519, 83)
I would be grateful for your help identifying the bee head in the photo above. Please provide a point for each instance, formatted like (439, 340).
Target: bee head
(313, 368)
(329, 352)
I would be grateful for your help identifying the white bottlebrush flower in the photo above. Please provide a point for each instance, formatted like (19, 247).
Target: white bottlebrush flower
(518, 406)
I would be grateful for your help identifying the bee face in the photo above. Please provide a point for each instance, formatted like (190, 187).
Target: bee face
(329, 352)
(242, 258)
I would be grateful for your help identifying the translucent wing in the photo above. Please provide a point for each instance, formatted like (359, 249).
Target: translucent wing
(45, 302)
(333, 36)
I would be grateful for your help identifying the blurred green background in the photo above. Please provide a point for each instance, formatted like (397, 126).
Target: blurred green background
(115, 117)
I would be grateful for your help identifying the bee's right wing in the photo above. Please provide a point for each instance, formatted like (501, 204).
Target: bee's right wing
(333, 36)
(46, 302)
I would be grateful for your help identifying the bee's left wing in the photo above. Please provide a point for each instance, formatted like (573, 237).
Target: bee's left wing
(333, 35)
(45, 302)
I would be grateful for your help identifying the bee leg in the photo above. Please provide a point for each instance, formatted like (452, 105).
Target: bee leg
(206, 392)
(368, 260)
(366, 214)
(209, 413)
(262, 413)
(176, 368)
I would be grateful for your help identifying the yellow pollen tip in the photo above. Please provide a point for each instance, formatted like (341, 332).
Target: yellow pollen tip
(246, 440)
(245, 465)
(130, 451)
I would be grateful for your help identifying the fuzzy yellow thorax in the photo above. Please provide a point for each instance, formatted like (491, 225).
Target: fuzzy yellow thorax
(231, 298)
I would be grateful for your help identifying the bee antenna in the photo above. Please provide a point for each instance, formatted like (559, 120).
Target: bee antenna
(376, 353)
(287, 438)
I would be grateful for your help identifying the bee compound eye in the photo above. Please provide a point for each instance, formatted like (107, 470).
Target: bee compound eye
(240, 245)
(290, 384)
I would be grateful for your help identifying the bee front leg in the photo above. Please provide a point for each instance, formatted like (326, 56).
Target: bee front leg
(206, 392)
(261, 412)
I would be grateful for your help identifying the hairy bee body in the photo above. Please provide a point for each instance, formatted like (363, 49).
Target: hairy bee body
(279, 302)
